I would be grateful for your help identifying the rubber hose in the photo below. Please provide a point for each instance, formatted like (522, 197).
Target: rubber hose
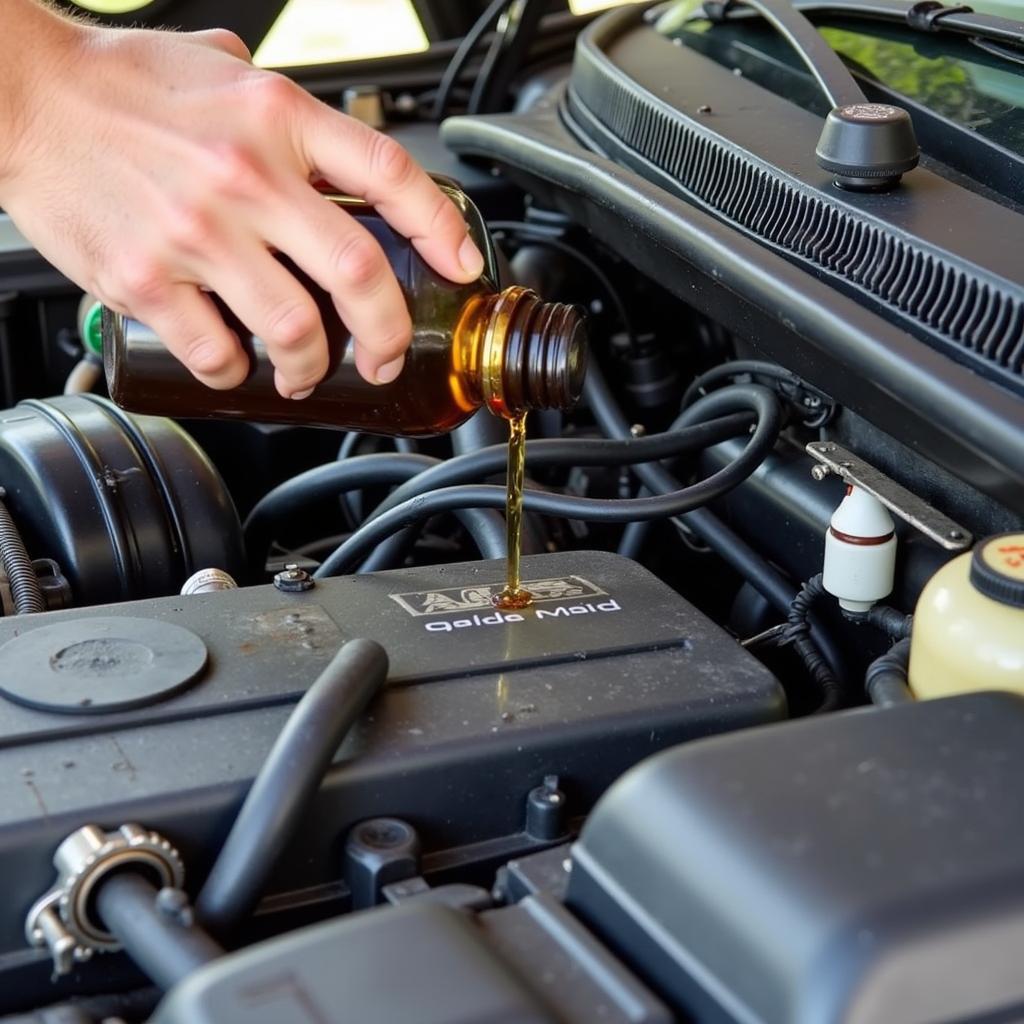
(661, 506)
(387, 468)
(571, 452)
(891, 621)
(727, 544)
(288, 781)
(886, 677)
(84, 376)
(165, 945)
(739, 367)
(418, 473)
(26, 593)
(710, 426)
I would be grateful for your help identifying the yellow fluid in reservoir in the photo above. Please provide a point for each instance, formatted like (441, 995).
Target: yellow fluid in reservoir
(969, 623)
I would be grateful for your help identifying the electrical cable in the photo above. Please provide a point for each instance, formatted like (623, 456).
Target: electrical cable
(282, 792)
(465, 50)
(798, 635)
(517, 29)
(488, 65)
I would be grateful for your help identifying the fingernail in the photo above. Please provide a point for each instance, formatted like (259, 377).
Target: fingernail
(470, 258)
(299, 395)
(389, 371)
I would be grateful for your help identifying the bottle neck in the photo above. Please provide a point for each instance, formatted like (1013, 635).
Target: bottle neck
(514, 353)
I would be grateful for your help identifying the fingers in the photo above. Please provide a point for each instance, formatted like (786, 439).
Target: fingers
(280, 312)
(188, 323)
(344, 259)
(373, 166)
(223, 39)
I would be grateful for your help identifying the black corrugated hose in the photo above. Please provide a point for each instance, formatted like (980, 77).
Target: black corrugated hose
(25, 590)
(798, 635)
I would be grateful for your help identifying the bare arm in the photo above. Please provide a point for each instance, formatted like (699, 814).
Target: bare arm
(148, 165)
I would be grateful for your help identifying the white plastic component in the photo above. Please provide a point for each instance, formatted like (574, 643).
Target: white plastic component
(860, 552)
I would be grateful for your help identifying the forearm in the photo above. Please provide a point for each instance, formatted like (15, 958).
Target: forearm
(35, 44)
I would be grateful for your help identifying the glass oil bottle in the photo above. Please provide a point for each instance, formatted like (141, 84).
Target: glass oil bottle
(473, 346)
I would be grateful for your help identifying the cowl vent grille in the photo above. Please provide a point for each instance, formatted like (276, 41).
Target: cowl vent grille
(959, 307)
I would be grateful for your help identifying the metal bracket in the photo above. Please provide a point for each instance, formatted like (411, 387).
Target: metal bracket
(63, 920)
(834, 459)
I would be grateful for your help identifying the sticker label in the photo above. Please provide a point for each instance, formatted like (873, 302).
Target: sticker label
(469, 599)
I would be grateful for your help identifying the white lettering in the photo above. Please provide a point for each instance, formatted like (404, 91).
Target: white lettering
(501, 618)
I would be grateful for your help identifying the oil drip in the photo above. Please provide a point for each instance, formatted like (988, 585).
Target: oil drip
(513, 596)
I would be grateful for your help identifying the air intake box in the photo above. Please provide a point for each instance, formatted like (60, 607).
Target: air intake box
(608, 666)
(862, 867)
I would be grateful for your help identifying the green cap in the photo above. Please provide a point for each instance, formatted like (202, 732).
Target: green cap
(92, 329)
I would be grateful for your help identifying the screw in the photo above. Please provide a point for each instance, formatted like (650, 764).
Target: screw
(293, 580)
(637, 430)
(704, 108)
(819, 472)
(955, 534)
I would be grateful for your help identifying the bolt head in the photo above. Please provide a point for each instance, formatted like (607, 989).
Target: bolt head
(819, 472)
(293, 580)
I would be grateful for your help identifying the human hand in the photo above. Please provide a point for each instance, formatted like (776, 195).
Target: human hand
(149, 166)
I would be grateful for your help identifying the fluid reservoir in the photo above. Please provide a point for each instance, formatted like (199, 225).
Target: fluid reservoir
(969, 623)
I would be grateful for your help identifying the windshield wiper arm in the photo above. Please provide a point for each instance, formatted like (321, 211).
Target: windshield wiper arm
(865, 146)
(921, 16)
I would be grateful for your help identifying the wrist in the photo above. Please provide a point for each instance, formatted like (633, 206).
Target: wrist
(36, 47)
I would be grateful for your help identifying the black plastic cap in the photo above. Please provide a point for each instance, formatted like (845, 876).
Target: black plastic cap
(997, 569)
(868, 146)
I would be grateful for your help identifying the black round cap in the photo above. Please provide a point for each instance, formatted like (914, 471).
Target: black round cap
(868, 146)
(997, 569)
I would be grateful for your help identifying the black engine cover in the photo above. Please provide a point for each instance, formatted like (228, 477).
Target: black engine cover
(609, 666)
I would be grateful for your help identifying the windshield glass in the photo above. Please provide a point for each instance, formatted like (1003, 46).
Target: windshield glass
(946, 73)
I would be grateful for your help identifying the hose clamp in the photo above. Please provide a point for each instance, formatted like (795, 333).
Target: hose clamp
(63, 919)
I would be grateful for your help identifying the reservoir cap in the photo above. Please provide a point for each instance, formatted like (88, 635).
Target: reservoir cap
(997, 569)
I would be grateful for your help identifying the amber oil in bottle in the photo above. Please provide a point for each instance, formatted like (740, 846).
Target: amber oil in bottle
(472, 346)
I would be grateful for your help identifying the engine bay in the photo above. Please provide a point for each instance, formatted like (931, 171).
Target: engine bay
(270, 751)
